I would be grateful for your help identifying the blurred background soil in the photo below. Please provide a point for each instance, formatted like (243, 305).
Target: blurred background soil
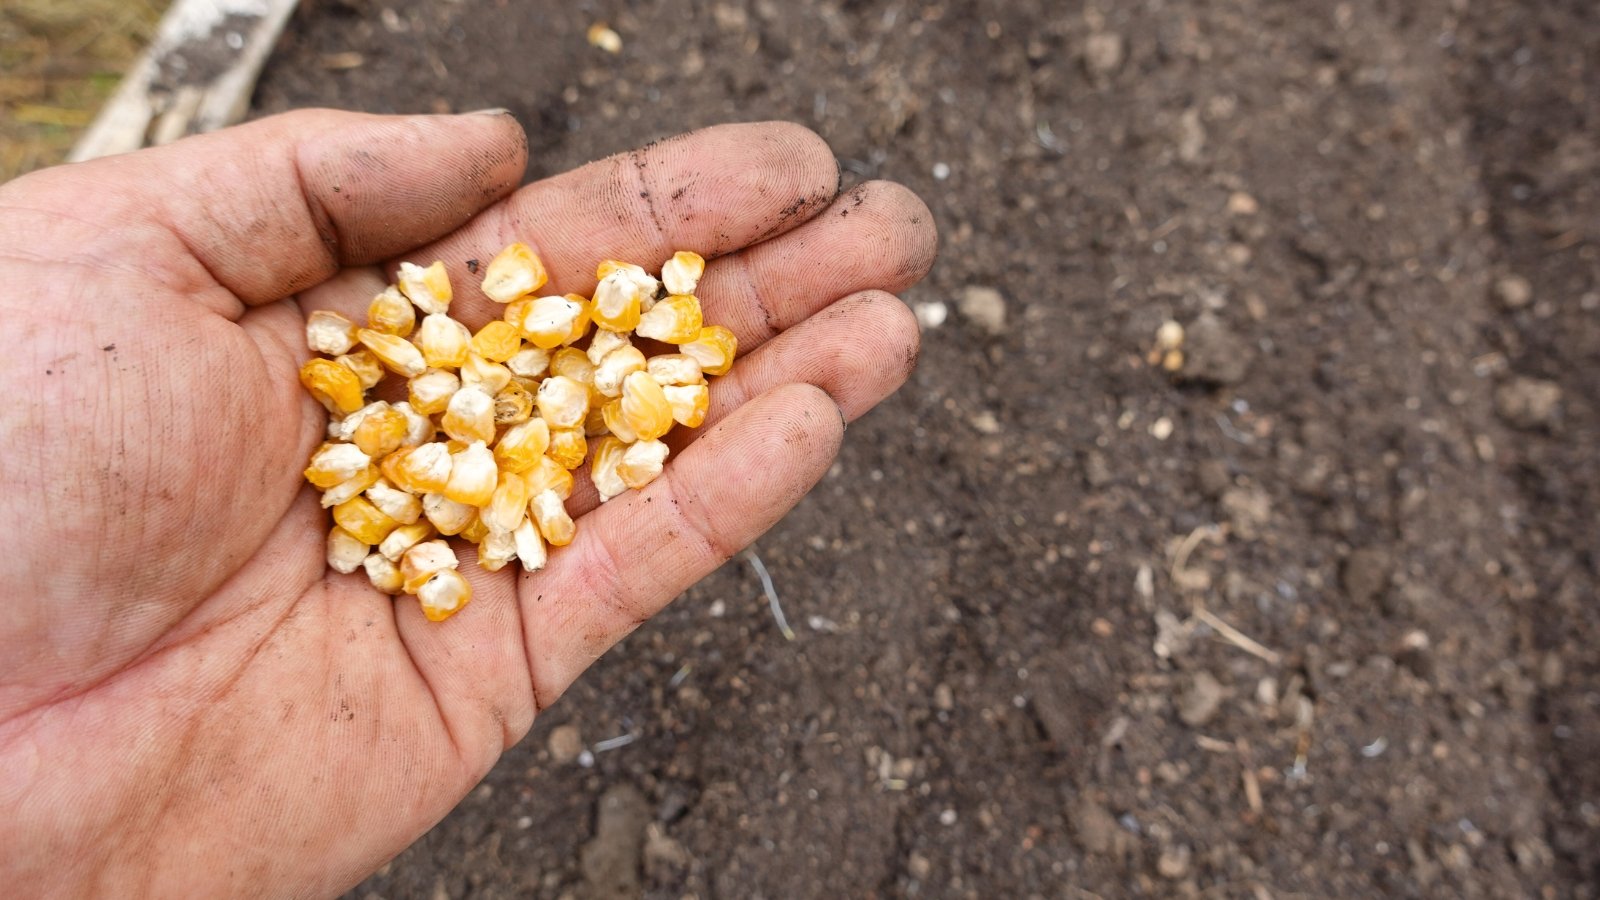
(1316, 617)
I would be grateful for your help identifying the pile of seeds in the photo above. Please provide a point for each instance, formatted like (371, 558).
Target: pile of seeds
(517, 405)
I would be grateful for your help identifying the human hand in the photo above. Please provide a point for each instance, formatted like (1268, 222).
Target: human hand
(189, 702)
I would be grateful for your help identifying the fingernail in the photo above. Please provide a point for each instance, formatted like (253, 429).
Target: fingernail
(492, 111)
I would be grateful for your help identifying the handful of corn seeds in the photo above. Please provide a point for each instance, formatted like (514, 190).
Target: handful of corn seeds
(517, 403)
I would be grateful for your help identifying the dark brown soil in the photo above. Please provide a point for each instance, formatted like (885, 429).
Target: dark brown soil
(1380, 222)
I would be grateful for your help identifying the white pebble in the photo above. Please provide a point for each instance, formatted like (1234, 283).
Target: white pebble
(941, 171)
(931, 315)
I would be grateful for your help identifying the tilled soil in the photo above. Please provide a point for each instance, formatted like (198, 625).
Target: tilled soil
(1317, 617)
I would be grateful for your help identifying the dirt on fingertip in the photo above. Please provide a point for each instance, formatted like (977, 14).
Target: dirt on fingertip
(1313, 614)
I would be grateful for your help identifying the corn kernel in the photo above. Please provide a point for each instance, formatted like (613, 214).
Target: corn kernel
(522, 446)
(641, 463)
(351, 487)
(443, 595)
(530, 547)
(391, 313)
(603, 342)
(529, 362)
(548, 475)
(475, 531)
(641, 279)
(335, 463)
(470, 416)
(689, 403)
(404, 538)
(674, 320)
(428, 288)
(514, 272)
(603, 467)
(431, 391)
(572, 363)
(563, 402)
(594, 424)
(497, 341)
(444, 341)
(495, 550)
(420, 470)
(345, 551)
(617, 303)
(513, 405)
(674, 369)
(419, 428)
(366, 366)
(568, 447)
(681, 274)
(381, 430)
(645, 407)
(472, 475)
(363, 520)
(580, 325)
(448, 516)
(398, 354)
(333, 385)
(508, 505)
(423, 561)
(617, 366)
(490, 377)
(714, 349)
(550, 514)
(547, 321)
(383, 573)
(616, 423)
(330, 333)
(402, 506)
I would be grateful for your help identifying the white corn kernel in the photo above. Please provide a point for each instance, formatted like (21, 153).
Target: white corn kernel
(617, 303)
(496, 549)
(383, 573)
(428, 288)
(548, 320)
(641, 463)
(424, 560)
(401, 506)
(529, 362)
(530, 546)
(490, 377)
(419, 428)
(330, 333)
(563, 402)
(353, 487)
(603, 342)
(618, 365)
(681, 274)
(345, 552)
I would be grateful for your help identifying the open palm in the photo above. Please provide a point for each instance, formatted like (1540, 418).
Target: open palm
(189, 702)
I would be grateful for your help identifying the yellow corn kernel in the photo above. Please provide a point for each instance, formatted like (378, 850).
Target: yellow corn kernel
(448, 516)
(335, 463)
(568, 447)
(476, 530)
(443, 595)
(402, 506)
(334, 386)
(641, 279)
(714, 349)
(681, 274)
(398, 354)
(580, 325)
(594, 424)
(645, 407)
(674, 320)
(444, 341)
(641, 463)
(547, 321)
(428, 288)
(530, 547)
(490, 377)
(675, 369)
(616, 423)
(420, 470)
(381, 431)
(508, 504)
(603, 342)
(529, 362)
(522, 446)
(689, 403)
(404, 538)
(431, 391)
(548, 475)
(563, 402)
(345, 551)
(617, 302)
(383, 573)
(497, 341)
(366, 366)
(514, 272)
(330, 333)
(419, 428)
(603, 467)
(470, 416)
(363, 520)
(423, 561)
(513, 405)
(495, 550)
(572, 363)
(472, 475)
(550, 514)
(391, 313)
(617, 366)
(351, 487)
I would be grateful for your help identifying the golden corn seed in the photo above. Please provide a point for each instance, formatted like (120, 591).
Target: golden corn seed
(563, 402)
(645, 407)
(345, 551)
(681, 274)
(550, 514)
(580, 325)
(675, 320)
(419, 428)
(508, 505)
(431, 391)
(675, 369)
(617, 366)
(363, 362)
(443, 595)
(402, 506)
(522, 446)
(420, 470)
(641, 463)
(568, 447)
(495, 550)
(363, 520)
(334, 463)
(470, 415)
(617, 302)
(713, 348)
(530, 547)
(548, 475)
(616, 423)
(381, 430)
(404, 538)
(603, 467)
(333, 385)
(428, 288)
(472, 475)
(689, 402)
(391, 313)
(490, 377)
(547, 321)
(603, 342)
(497, 341)
(330, 333)
(351, 487)
(423, 561)
(383, 573)
(444, 341)
(514, 272)
(529, 362)
(448, 516)
(398, 354)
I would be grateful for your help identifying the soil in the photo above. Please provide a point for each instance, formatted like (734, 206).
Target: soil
(1315, 617)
